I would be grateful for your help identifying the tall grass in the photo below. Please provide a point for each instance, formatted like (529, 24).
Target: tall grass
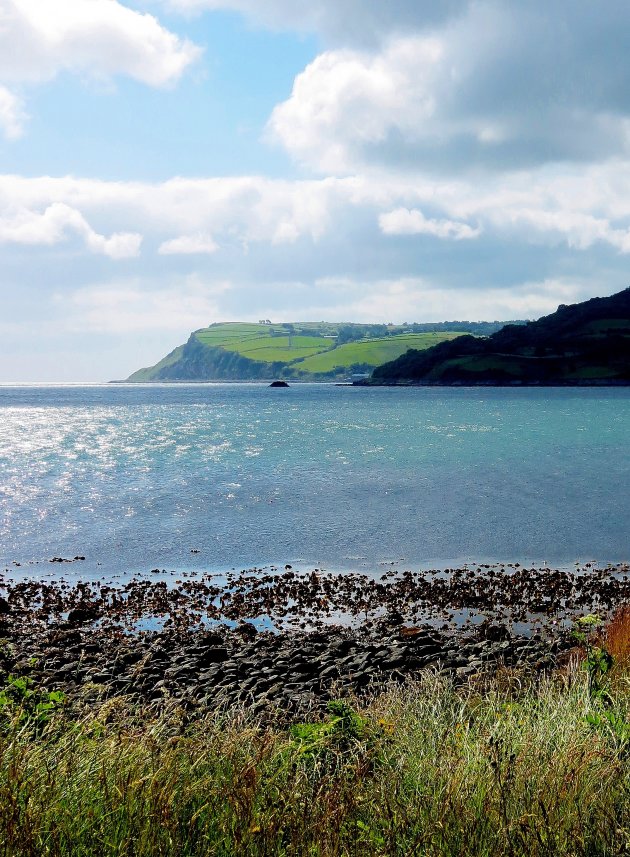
(422, 769)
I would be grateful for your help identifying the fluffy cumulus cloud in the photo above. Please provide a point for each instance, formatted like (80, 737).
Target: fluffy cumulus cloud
(226, 216)
(54, 224)
(460, 83)
(494, 85)
(346, 102)
(248, 228)
(98, 38)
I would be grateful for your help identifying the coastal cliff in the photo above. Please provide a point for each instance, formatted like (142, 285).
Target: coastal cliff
(309, 351)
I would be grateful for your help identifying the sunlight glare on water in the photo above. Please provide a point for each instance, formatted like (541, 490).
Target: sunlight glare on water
(134, 477)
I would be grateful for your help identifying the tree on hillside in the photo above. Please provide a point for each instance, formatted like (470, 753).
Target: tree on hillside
(349, 333)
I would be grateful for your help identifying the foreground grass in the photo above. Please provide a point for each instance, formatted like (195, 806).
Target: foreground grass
(422, 769)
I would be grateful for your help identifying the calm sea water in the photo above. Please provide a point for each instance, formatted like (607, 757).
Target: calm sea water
(137, 477)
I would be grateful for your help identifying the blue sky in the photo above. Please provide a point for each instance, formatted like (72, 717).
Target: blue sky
(208, 123)
(169, 163)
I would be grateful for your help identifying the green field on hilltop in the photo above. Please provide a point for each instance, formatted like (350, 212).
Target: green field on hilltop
(285, 349)
(232, 332)
(314, 354)
(305, 350)
(372, 352)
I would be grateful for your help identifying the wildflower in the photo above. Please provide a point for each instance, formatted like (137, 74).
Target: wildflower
(387, 726)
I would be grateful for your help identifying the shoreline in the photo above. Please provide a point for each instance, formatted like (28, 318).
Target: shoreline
(293, 640)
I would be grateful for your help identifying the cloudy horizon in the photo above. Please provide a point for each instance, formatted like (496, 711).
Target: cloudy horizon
(171, 163)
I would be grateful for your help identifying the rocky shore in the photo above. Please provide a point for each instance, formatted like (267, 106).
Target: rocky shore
(288, 640)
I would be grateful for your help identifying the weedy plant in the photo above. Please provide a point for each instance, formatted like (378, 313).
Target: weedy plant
(603, 669)
(342, 731)
(25, 704)
(598, 661)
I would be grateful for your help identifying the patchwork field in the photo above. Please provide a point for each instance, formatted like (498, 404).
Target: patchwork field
(306, 350)
(314, 354)
(373, 352)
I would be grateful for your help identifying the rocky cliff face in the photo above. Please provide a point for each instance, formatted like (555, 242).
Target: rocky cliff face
(195, 361)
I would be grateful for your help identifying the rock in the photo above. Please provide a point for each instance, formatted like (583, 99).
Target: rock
(305, 668)
(329, 672)
(278, 384)
(5, 607)
(82, 614)
(457, 663)
(392, 663)
(421, 663)
(362, 679)
(413, 633)
(216, 655)
(100, 678)
(423, 651)
(494, 632)
(247, 630)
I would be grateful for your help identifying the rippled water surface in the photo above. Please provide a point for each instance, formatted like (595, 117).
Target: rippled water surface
(136, 477)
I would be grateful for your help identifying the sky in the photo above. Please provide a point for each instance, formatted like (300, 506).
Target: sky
(166, 164)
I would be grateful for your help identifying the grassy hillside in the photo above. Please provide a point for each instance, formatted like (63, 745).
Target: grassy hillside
(586, 343)
(305, 350)
(372, 352)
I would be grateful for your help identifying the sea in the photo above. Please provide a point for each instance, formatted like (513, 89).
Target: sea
(211, 477)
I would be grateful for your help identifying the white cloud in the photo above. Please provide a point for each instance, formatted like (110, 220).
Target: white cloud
(286, 233)
(226, 211)
(577, 208)
(98, 38)
(345, 101)
(577, 229)
(12, 115)
(405, 221)
(39, 38)
(51, 227)
(188, 245)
